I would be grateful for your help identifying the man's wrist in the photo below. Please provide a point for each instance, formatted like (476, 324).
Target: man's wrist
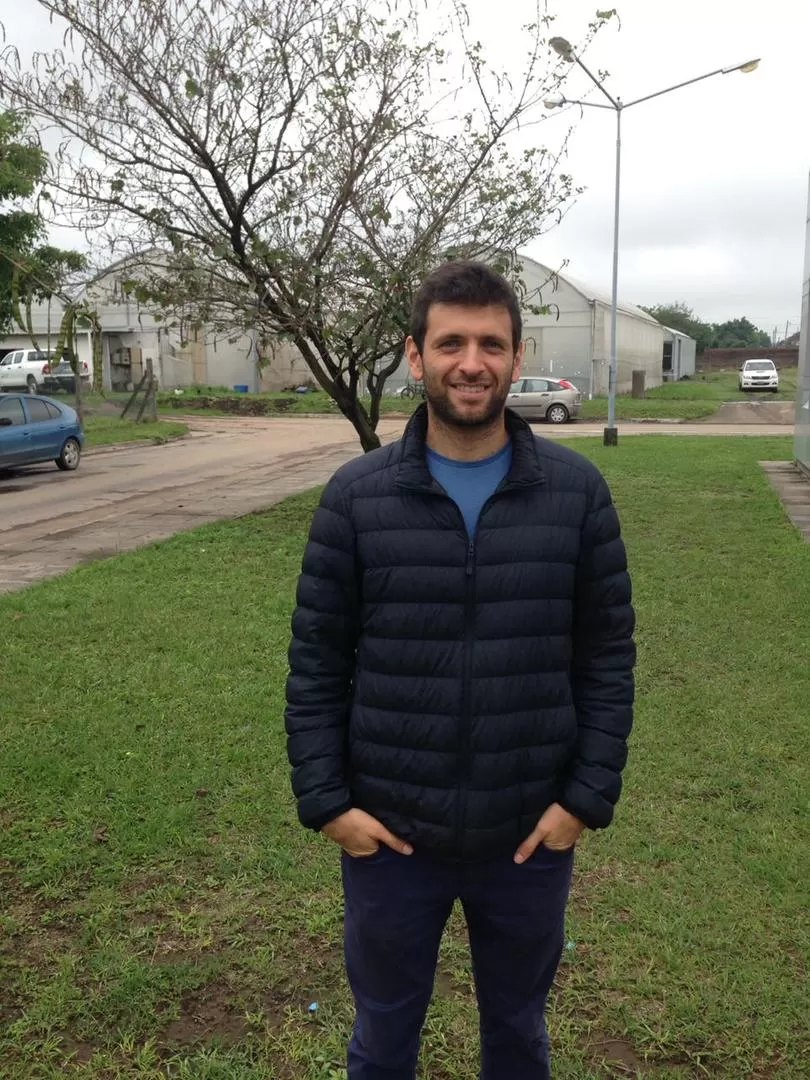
(319, 823)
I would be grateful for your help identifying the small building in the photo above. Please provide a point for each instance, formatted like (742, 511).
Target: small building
(802, 437)
(573, 341)
(679, 355)
(182, 355)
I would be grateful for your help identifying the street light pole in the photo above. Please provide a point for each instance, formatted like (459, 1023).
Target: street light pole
(611, 433)
(565, 50)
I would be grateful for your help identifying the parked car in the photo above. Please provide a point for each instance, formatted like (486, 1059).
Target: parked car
(554, 400)
(56, 377)
(23, 370)
(759, 375)
(35, 429)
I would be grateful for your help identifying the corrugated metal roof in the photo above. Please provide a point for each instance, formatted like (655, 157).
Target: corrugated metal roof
(588, 292)
(677, 333)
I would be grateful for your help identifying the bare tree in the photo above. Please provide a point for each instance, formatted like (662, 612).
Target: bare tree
(302, 163)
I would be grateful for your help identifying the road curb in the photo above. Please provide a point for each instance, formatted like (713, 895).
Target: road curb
(636, 420)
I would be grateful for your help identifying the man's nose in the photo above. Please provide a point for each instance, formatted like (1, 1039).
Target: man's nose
(472, 359)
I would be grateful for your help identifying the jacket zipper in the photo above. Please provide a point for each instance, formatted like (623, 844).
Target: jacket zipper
(465, 741)
(467, 710)
(465, 755)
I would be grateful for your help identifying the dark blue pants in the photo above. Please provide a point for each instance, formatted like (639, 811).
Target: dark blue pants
(396, 910)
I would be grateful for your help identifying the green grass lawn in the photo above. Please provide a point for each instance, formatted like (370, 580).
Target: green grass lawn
(723, 386)
(689, 399)
(628, 408)
(110, 430)
(163, 915)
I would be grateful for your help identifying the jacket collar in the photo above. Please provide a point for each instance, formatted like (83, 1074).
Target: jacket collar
(413, 472)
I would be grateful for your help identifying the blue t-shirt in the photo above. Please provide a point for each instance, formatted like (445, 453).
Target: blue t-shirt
(470, 483)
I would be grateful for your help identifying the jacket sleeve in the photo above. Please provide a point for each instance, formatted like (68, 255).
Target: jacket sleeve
(602, 665)
(325, 628)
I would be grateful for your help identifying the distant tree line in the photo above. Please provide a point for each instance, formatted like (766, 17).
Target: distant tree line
(733, 334)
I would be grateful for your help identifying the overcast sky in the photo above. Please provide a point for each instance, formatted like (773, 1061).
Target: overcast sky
(714, 176)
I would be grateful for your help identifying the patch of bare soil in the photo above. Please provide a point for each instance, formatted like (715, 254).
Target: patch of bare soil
(211, 1015)
(238, 406)
(103, 408)
(618, 1054)
(755, 411)
(77, 1053)
(206, 1015)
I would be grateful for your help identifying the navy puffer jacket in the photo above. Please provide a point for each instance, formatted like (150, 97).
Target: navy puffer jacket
(455, 688)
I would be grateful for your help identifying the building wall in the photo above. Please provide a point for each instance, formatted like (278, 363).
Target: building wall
(191, 358)
(640, 347)
(683, 356)
(573, 342)
(559, 345)
(802, 439)
(284, 366)
(561, 352)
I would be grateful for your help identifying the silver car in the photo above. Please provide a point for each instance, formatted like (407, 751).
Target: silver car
(555, 400)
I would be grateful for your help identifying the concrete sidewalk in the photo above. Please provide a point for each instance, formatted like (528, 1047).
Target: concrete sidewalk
(793, 488)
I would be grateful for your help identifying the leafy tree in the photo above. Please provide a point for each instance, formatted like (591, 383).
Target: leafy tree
(22, 167)
(678, 316)
(29, 270)
(734, 334)
(739, 334)
(301, 164)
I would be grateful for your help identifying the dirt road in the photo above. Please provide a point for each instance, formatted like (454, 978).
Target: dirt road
(52, 521)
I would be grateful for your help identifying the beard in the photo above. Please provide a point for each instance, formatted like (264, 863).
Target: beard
(481, 415)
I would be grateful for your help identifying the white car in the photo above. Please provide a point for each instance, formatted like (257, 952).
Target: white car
(24, 369)
(759, 375)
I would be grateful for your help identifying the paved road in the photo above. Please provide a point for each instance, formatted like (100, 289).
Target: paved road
(51, 521)
(119, 500)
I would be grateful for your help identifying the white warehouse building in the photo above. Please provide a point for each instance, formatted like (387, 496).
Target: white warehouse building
(573, 341)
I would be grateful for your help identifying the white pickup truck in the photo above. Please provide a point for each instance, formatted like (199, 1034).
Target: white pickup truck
(23, 370)
(37, 372)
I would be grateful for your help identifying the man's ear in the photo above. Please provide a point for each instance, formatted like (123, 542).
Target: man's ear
(414, 358)
(517, 366)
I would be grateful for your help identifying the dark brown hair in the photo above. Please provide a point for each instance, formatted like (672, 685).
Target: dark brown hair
(465, 284)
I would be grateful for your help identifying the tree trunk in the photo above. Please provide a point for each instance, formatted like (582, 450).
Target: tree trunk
(151, 400)
(77, 384)
(77, 376)
(98, 361)
(361, 422)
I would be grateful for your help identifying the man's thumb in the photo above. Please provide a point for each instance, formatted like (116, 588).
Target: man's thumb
(531, 843)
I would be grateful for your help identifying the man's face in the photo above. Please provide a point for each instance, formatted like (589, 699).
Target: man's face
(467, 364)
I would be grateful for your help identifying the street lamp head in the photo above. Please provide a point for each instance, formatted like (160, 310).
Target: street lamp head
(749, 65)
(563, 48)
(554, 103)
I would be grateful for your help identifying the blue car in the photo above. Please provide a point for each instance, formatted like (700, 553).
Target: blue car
(34, 429)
